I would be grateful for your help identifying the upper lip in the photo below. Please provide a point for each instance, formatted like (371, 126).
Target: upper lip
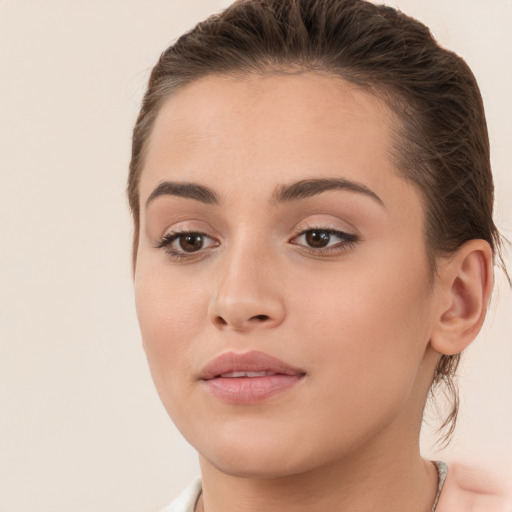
(253, 361)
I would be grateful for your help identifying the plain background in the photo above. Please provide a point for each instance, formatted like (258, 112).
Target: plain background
(81, 427)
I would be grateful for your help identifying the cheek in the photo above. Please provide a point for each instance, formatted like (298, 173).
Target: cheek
(171, 315)
(368, 328)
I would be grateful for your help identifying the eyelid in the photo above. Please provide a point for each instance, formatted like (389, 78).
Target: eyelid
(327, 223)
(171, 236)
(347, 236)
(344, 235)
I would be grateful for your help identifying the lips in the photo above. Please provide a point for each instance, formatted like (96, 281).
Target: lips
(249, 377)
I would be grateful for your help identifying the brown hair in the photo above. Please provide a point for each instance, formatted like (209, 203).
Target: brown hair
(441, 142)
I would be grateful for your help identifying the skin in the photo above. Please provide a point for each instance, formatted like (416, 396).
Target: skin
(365, 320)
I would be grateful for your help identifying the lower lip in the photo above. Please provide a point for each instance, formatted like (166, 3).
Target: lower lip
(249, 390)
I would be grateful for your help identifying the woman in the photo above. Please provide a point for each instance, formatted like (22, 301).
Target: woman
(314, 247)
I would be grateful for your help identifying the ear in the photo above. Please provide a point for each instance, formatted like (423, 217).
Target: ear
(465, 281)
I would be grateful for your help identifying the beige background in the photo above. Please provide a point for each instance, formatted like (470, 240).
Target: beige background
(81, 427)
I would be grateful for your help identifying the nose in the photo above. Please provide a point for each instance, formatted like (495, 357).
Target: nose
(248, 295)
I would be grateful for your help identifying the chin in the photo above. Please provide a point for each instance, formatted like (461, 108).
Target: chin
(262, 455)
(267, 445)
(247, 463)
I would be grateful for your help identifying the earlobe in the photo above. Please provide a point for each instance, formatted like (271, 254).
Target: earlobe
(465, 282)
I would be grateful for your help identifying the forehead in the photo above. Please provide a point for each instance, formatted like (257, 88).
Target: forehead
(271, 128)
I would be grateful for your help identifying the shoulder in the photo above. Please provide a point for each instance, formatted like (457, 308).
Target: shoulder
(187, 500)
(472, 489)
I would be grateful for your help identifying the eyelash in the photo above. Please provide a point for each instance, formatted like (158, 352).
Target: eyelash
(348, 240)
(169, 238)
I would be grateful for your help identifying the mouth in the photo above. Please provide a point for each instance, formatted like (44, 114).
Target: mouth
(249, 377)
(238, 374)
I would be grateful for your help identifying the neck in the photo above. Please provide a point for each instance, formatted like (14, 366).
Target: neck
(398, 481)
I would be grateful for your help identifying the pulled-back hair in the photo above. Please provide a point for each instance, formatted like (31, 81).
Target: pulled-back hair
(441, 141)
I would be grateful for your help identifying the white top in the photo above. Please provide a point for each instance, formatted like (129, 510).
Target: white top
(186, 501)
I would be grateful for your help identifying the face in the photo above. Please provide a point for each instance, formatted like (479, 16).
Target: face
(282, 284)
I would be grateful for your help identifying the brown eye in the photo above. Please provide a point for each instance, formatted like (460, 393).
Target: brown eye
(186, 244)
(317, 238)
(325, 241)
(191, 242)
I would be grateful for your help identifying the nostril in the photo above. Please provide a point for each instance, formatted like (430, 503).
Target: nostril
(261, 317)
(220, 321)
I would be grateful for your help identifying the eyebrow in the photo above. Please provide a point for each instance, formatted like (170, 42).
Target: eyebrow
(184, 189)
(311, 187)
(282, 194)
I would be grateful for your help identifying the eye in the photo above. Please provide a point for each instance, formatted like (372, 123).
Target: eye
(183, 244)
(190, 242)
(325, 239)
